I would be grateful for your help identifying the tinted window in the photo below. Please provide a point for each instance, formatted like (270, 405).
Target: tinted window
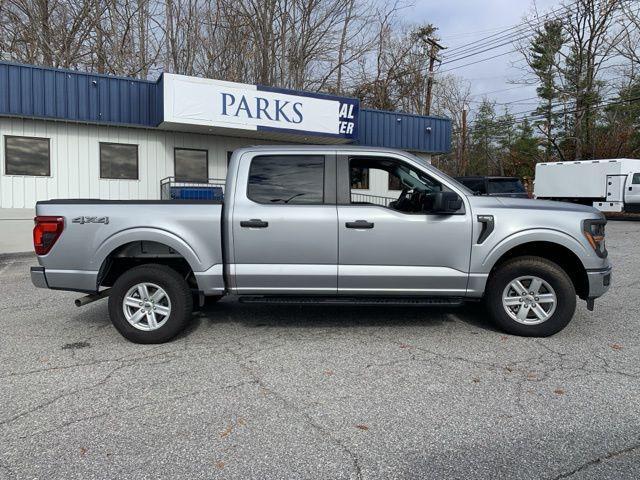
(507, 185)
(191, 165)
(291, 179)
(27, 156)
(636, 178)
(474, 184)
(118, 161)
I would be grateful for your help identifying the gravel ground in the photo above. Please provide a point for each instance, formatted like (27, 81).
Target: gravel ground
(320, 392)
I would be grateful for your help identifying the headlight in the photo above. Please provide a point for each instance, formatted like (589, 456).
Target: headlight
(594, 232)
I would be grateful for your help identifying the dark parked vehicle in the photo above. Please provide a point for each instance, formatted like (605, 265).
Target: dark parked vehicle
(495, 186)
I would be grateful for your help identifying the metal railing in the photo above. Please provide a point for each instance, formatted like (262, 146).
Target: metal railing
(363, 198)
(173, 189)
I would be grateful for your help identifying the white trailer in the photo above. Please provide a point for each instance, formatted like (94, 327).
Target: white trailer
(609, 185)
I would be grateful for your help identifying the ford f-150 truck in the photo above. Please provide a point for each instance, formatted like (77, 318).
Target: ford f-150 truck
(292, 229)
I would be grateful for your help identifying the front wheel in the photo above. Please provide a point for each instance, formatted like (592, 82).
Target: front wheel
(530, 296)
(150, 304)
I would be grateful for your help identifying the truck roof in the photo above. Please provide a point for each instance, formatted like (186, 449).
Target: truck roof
(578, 162)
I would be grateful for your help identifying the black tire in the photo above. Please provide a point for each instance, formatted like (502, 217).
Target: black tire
(177, 291)
(544, 269)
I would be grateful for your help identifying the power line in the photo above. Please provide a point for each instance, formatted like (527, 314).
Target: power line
(541, 116)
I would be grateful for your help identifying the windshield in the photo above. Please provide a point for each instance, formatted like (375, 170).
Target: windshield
(505, 185)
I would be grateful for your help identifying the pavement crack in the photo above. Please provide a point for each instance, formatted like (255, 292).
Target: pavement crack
(323, 432)
(595, 461)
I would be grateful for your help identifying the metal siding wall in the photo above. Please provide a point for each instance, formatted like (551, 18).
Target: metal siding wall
(382, 129)
(75, 160)
(32, 91)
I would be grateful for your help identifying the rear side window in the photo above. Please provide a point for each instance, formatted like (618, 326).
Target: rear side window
(506, 185)
(474, 184)
(636, 179)
(287, 179)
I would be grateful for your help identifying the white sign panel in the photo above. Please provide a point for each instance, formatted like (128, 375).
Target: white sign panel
(216, 103)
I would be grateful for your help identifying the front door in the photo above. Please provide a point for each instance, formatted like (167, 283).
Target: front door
(388, 246)
(285, 225)
(632, 195)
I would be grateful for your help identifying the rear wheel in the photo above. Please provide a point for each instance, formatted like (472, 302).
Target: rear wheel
(150, 304)
(531, 296)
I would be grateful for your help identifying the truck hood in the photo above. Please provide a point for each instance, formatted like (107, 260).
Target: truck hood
(530, 204)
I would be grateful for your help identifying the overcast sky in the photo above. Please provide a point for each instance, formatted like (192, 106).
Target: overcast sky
(463, 21)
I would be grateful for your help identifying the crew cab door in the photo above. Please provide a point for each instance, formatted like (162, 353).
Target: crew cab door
(284, 224)
(386, 249)
(632, 195)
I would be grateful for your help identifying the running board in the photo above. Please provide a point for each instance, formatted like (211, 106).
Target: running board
(323, 300)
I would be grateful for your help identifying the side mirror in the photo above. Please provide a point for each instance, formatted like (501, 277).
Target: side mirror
(443, 202)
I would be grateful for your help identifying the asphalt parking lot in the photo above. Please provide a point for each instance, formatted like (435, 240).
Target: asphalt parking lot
(320, 392)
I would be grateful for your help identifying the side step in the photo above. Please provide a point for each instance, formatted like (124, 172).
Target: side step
(324, 300)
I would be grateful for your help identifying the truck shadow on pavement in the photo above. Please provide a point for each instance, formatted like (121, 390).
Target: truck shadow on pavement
(338, 316)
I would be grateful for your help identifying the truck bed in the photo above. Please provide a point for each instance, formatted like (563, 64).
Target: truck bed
(94, 229)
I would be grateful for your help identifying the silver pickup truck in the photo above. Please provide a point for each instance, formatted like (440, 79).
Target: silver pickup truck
(297, 225)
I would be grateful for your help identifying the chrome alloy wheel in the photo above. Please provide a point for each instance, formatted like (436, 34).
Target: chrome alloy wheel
(529, 300)
(146, 306)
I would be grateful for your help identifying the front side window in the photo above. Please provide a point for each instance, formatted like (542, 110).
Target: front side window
(410, 190)
(27, 156)
(287, 179)
(636, 178)
(191, 165)
(118, 161)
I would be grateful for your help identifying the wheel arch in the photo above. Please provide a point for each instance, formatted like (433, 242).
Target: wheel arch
(565, 257)
(133, 250)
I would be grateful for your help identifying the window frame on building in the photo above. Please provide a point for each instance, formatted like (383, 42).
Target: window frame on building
(322, 159)
(190, 180)
(30, 137)
(137, 147)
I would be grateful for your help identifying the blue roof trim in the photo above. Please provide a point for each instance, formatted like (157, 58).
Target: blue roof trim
(58, 94)
(379, 128)
(49, 93)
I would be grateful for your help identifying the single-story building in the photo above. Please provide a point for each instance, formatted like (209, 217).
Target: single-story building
(70, 134)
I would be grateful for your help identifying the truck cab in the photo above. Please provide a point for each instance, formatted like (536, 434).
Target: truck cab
(294, 226)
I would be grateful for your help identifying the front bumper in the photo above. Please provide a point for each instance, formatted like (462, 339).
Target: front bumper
(599, 281)
(38, 278)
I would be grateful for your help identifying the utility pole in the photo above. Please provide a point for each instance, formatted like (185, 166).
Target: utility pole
(434, 48)
(463, 144)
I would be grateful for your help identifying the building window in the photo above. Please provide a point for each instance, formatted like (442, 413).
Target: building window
(118, 161)
(27, 156)
(394, 182)
(359, 178)
(287, 179)
(191, 165)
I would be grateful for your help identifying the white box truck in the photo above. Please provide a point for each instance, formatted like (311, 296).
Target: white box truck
(608, 185)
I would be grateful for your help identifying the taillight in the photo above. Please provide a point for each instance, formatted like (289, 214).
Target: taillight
(46, 232)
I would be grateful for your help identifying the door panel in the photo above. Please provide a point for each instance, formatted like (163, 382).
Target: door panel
(297, 252)
(632, 195)
(279, 246)
(403, 253)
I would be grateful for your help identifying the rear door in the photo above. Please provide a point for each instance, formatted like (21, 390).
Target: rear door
(284, 225)
(632, 195)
